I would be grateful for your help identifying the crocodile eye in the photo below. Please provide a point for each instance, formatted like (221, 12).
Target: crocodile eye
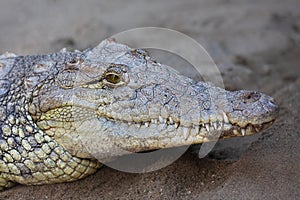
(113, 77)
(116, 75)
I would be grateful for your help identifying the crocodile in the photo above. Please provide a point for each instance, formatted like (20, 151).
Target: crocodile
(115, 98)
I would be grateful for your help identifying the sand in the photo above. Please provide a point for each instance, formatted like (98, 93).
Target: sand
(256, 44)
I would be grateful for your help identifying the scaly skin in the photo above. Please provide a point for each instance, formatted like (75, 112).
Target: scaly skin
(58, 111)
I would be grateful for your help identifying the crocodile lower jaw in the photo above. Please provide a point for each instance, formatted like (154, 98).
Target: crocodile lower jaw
(249, 129)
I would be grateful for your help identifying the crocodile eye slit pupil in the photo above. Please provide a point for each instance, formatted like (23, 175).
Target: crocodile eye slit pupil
(113, 78)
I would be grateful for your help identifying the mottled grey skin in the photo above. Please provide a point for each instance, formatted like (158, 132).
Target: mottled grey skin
(59, 111)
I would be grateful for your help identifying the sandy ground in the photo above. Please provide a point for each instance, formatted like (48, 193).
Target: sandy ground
(257, 46)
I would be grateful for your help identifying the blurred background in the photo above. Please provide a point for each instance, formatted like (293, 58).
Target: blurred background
(256, 45)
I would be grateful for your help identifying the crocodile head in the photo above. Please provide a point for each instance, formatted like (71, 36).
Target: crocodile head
(114, 97)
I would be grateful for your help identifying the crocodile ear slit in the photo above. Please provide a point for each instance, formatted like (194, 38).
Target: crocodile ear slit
(73, 64)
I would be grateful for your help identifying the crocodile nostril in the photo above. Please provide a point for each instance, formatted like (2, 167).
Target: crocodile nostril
(251, 97)
(272, 103)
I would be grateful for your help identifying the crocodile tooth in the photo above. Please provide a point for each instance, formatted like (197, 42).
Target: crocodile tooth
(243, 132)
(221, 124)
(211, 127)
(215, 125)
(147, 124)
(235, 132)
(185, 132)
(153, 121)
(161, 119)
(207, 127)
(171, 120)
(176, 125)
(226, 120)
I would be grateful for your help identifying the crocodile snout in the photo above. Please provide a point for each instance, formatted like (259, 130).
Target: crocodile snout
(250, 107)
